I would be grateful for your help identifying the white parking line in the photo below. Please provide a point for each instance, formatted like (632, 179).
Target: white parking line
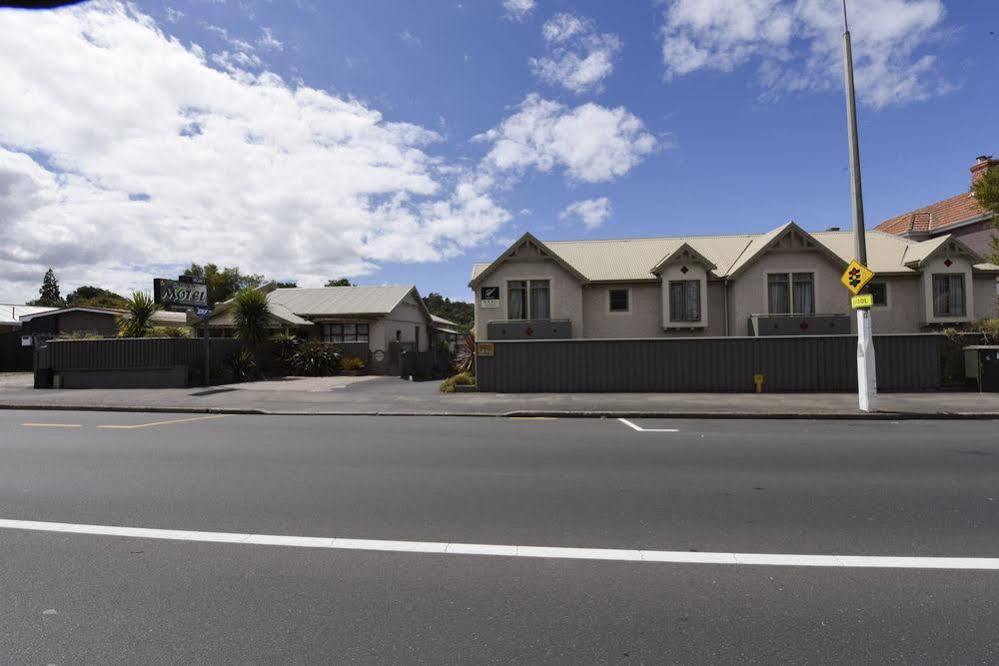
(547, 552)
(641, 429)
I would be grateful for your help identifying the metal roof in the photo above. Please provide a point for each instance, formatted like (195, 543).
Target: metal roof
(341, 300)
(11, 314)
(633, 259)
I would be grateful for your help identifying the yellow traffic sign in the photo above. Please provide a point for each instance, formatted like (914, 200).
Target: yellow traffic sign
(856, 276)
(862, 301)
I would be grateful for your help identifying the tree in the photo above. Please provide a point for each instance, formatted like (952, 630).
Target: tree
(340, 282)
(286, 285)
(251, 312)
(96, 297)
(459, 312)
(49, 292)
(987, 192)
(223, 284)
(137, 321)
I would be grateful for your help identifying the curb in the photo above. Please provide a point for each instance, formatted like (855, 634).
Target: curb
(562, 414)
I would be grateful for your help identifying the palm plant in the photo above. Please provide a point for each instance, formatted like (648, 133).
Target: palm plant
(464, 356)
(251, 313)
(138, 318)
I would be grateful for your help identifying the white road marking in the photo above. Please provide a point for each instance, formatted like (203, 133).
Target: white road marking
(51, 425)
(548, 552)
(159, 423)
(641, 429)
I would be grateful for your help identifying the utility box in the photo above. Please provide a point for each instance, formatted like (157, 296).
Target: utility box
(981, 367)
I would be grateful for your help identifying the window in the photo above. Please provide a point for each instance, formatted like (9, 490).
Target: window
(618, 300)
(685, 300)
(948, 295)
(528, 299)
(791, 293)
(879, 290)
(345, 332)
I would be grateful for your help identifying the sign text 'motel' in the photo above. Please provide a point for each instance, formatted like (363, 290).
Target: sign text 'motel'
(180, 294)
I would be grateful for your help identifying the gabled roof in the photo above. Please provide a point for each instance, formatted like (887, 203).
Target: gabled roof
(937, 216)
(657, 269)
(480, 271)
(926, 250)
(771, 239)
(160, 317)
(293, 305)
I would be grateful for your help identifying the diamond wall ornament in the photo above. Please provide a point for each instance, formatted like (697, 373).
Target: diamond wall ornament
(684, 270)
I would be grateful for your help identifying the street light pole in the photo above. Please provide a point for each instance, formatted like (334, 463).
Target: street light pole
(867, 383)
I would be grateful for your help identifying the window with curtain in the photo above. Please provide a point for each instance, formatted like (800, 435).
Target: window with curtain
(685, 300)
(803, 293)
(345, 332)
(948, 295)
(791, 293)
(540, 300)
(778, 293)
(516, 296)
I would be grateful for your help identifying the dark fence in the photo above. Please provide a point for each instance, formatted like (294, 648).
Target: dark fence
(14, 357)
(145, 362)
(716, 365)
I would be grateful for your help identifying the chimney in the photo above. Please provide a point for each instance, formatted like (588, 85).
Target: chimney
(982, 164)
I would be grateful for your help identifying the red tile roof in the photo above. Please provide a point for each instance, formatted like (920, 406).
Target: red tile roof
(935, 217)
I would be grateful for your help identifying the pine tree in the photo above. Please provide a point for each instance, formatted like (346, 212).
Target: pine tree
(49, 292)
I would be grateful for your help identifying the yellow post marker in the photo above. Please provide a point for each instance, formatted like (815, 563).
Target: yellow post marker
(758, 380)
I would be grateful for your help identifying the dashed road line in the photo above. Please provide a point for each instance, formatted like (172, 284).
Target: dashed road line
(497, 550)
(51, 425)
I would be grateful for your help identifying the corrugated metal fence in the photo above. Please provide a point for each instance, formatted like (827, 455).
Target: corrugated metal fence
(716, 365)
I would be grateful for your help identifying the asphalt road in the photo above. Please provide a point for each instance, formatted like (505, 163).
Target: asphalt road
(925, 488)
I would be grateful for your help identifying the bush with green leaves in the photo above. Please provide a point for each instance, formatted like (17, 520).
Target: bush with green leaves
(284, 345)
(79, 335)
(352, 363)
(138, 318)
(315, 359)
(169, 332)
(242, 366)
(251, 314)
(460, 379)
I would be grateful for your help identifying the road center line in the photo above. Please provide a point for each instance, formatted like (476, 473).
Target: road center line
(51, 425)
(641, 429)
(442, 548)
(159, 423)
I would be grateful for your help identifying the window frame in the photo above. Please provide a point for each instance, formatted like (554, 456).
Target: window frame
(964, 293)
(528, 283)
(789, 275)
(610, 300)
(887, 301)
(328, 335)
(673, 318)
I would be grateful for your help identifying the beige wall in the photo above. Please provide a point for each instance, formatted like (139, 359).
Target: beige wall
(748, 292)
(904, 312)
(404, 318)
(566, 292)
(985, 297)
(641, 321)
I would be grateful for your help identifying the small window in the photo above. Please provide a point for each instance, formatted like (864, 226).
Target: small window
(618, 300)
(345, 333)
(879, 290)
(948, 295)
(685, 300)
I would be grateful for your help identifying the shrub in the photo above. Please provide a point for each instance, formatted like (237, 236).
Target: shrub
(169, 332)
(138, 318)
(460, 379)
(464, 356)
(315, 359)
(242, 366)
(352, 363)
(251, 312)
(79, 335)
(284, 345)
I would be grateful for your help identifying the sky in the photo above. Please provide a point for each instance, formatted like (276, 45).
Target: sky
(399, 142)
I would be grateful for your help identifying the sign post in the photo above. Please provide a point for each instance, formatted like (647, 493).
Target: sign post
(867, 383)
(185, 293)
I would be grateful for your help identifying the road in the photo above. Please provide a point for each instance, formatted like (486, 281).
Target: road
(693, 487)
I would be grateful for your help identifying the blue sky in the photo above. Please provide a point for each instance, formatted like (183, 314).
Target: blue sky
(402, 141)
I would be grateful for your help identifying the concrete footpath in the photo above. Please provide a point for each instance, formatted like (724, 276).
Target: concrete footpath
(391, 396)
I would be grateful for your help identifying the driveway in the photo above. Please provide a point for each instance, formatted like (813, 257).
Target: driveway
(301, 384)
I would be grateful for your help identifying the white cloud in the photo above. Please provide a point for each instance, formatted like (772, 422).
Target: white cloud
(592, 143)
(797, 44)
(518, 10)
(125, 154)
(267, 41)
(591, 212)
(411, 39)
(579, 57)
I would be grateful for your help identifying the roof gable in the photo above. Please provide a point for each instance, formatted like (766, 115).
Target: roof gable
(526, 243)
(923, 252)
(685, 253)
(788, 237)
